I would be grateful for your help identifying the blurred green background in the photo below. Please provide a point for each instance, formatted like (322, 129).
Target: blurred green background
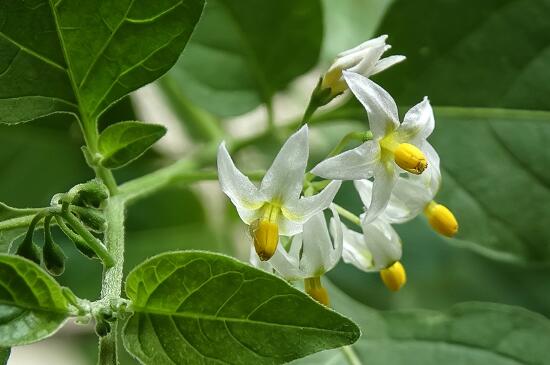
(485, 67)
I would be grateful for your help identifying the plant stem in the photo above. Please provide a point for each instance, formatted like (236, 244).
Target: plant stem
(352, 136)
(348, 215)
(350, 355)
(112, 276)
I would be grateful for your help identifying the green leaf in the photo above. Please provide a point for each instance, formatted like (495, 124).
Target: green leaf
(122, 143)
(72, 56)
(495, 180)
(466, 333)
(4, 355)
(244, 51)
(491, 53)
(199, 307)
(32, 305)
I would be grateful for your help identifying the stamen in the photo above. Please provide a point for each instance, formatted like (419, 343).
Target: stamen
(441, 219)
(394, 277)
(410, 158)
(265, 232)
(316, 290)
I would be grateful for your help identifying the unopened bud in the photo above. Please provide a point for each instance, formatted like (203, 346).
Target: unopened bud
(410, 158)
(315, 289)
(266, 238)
(394, 277)
(441, 219)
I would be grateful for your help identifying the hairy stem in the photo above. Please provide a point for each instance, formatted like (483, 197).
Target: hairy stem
(112, 276)
(348, 215)
(352, 136)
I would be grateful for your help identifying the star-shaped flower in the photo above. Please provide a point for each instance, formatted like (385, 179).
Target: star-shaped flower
(275, 208)
(395, 146)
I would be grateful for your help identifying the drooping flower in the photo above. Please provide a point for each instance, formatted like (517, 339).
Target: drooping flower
(377, 249)
(311, 254)
(275, 208)
(414, 194)
(395, 146)
(363, 59)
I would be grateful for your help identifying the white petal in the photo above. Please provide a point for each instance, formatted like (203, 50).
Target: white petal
(385, 178)
(365, 61)
(244, 195)
(375, 42)
(433, 169)
(383, 242)
(409, 197)
(338, 240)
(418, 123)
(301, 210)
(317, 246)
(386, 63)
(355, 250)
(355, 164)
(284, 179)
(286, 265)
(380, 106)
(288, 227)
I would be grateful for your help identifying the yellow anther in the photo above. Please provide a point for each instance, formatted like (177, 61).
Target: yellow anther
(394, 277)
(410, 158)
(266, 238)
(316, 290)
(265, 232)
(441, 219)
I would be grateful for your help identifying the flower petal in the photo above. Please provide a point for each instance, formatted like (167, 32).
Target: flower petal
(375, 42)
(386, 63)
(383, 242)
(243, 194)
(355, 164)
(286, 265)
(337, 239)
(256, 262)
(284, 179)
(365, 61)
(379, 104)
(317, 245)
(301, 210)
(355, 250)
(385, 178)
(418, 123)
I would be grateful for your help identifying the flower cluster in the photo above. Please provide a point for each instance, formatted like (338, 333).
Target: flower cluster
(396, 173)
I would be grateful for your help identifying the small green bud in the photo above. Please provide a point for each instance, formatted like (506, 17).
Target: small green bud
(90, 193)
(92, 218)
(52, 255)
(28, 249)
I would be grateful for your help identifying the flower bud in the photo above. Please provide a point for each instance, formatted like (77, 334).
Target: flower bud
(52, 254)
(315, 289)
(266, 238)
(394, 276)
(441, 219)
(410, 158)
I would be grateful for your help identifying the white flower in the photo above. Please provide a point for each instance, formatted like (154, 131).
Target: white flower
(377, 249)
(411, 194)
(313, 252)
(363, 59)
(395, 146)
(275, 208)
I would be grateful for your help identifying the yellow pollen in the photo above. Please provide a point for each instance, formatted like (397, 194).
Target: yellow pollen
(441, 219)
(410, 158)
(394, 277)
(265, 232)
(315, 289)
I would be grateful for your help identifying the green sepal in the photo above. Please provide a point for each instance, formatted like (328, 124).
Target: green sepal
(102, 328)
(78, 241)
(52, 255)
